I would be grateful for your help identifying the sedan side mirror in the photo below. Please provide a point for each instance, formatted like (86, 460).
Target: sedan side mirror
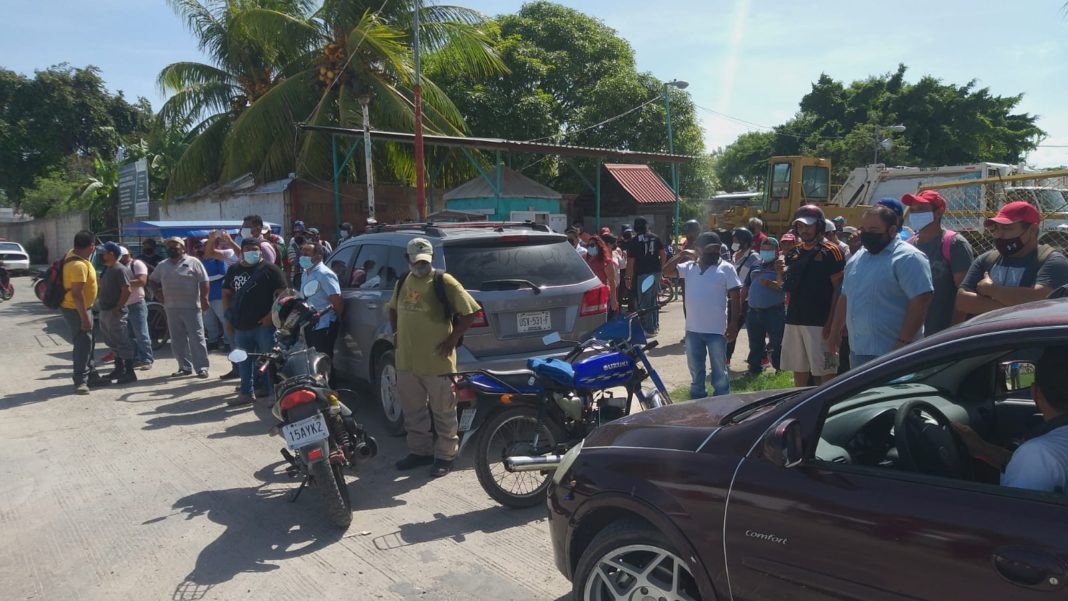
(783, 445)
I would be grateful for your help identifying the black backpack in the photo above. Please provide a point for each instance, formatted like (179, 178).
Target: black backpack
(439, 292)
(54, 290)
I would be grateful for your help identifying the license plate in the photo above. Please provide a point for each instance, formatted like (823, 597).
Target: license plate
(536, 321)
(305, 432)
(467, 417)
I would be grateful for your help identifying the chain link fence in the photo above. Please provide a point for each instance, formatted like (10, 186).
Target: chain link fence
(970, 202)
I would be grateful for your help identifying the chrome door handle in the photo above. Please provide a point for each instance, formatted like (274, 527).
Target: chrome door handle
(372, 305)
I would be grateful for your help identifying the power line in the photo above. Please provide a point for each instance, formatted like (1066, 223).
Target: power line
(596, 125)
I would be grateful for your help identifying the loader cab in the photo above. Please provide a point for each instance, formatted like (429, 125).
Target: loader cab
(794, 181)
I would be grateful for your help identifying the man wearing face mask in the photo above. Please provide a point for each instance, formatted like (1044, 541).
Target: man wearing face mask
(296, 242)
(252, 229)
(710, 283)
(182, 285)
(948, 252)
(646, 255)
(885, 293)
(573, 239)
(813, 276)
(429, 313)
(327, 295)
(248, 294)
(766, 318)
(745, 257)
(1019, 269)
(344, 232)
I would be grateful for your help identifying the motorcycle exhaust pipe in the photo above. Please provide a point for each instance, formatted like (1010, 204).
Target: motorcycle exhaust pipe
(365, 449)
(539, 463)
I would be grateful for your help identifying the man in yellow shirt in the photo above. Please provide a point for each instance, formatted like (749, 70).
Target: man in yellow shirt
(79, 282)
(426, 341)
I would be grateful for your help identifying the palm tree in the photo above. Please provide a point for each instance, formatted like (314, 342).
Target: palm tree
(212, 96)
(323, 62)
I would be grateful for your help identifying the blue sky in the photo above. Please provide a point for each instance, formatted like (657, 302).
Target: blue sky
(749, 59)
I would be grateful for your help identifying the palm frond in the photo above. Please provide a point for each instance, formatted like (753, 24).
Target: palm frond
(199, 165)
(195, 102)
(176, 76)
(462, 50)
(289, 35)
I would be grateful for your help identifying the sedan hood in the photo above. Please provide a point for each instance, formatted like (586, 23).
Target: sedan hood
(680, 427)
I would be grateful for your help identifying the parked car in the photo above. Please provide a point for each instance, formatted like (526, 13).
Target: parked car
(856, 489)
(14, 258)
(528, 280)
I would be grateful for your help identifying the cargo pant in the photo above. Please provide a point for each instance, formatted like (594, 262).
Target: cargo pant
(415, 394)
(115, 328)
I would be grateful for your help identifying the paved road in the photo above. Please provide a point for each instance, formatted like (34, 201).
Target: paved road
(160, 491)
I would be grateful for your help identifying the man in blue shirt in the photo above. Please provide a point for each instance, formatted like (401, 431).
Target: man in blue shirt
(767, 306)
(886, 291)
(328, 295)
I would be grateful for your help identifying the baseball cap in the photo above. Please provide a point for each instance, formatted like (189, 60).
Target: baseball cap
(708, 238)
(1016, 212)
(852, 231)
(174, 240)
(298, 225)
(893, 204)
(420, 249)
(113, 248)
(809, 215)
(788, 237)
(927, 197)
(123, 251)
(830, 225)
(772, 240)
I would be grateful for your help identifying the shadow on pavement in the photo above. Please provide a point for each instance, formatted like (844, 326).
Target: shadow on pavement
(261, 529)
(456, 527)
(37, 395)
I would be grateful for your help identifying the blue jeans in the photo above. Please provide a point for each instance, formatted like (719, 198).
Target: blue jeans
(648, 299)
(761, 323)
(715, 346)
(137, 324)
(257, 340)
(856, 360)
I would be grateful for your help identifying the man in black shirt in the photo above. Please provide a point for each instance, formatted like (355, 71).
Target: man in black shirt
(646, 255)
(249, 290)
(813, 280)
(148, 255)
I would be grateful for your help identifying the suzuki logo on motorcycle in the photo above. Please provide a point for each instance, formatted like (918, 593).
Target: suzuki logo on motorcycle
(616, 365)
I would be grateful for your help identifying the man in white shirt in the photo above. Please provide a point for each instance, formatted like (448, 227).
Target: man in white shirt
(1041, 463)
(710, 283)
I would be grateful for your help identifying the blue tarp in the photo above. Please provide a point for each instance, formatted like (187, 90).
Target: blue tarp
(185, 229)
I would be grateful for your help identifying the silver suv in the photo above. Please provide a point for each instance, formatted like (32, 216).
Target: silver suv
(528, 280)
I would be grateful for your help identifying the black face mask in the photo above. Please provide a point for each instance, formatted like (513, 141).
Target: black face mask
(1010, 246)
(712, 258)
(173, 252)
(299, 240)
(874, 242)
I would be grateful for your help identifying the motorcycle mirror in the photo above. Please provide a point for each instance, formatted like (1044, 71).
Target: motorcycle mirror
(647, 282)
(310, 288)
(551, 338)
(237, 356)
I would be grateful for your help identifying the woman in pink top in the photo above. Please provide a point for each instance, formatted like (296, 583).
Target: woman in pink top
(602, 261)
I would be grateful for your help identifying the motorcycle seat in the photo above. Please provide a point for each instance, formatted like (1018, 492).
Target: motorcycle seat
(555, 370)
(517, 378)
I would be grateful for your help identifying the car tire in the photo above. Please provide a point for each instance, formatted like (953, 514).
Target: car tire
(385, 385)
(634, 542)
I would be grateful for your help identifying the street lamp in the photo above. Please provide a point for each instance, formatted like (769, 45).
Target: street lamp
(682, 85)
(885, 144)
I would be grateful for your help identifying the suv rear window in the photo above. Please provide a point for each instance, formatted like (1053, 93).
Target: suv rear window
(547, 262)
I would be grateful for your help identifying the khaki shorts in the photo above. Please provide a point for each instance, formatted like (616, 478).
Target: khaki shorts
(803, 350)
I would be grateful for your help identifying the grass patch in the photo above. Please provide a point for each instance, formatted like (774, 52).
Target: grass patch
(769, 380)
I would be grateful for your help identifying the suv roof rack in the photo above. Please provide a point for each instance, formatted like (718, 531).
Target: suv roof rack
(439, 230)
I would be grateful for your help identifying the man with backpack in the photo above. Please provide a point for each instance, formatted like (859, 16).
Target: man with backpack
(1019, 269)
(948, 252)
(73, 280)
(429, 312)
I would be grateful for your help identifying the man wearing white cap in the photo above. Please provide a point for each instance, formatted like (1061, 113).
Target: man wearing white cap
(429, 312)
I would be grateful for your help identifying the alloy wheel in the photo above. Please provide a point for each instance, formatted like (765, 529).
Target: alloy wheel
(640, 572)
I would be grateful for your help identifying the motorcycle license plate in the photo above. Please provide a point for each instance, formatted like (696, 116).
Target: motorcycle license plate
(467, 417)
(535, 321)
(305, 432)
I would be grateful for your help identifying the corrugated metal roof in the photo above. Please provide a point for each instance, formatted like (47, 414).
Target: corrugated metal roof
(513, 185)
(641, 182)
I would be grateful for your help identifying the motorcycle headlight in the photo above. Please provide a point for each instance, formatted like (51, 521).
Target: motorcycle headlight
(568, 460)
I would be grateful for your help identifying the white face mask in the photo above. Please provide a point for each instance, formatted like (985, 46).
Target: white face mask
(246, 232)
(918, 221)
(736, 247)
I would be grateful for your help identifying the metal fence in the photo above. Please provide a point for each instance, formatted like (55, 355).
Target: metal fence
(970, 202)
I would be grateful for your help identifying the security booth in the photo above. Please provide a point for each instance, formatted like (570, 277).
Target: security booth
(629, 191)
(512, 197)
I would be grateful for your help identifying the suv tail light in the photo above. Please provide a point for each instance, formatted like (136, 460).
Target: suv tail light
(594, 301)
(297, 397)
(480, 320)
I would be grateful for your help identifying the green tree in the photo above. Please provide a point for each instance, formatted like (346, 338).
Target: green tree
(62, 113)
(569, 73)
(321, 63)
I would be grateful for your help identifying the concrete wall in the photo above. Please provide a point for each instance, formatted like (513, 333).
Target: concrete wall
(270, 206)
(503, 207)
(58, 232)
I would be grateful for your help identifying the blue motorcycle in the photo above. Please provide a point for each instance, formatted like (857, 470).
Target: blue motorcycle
(525, 420)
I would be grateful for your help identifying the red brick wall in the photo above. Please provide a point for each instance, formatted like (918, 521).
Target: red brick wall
(313, 203)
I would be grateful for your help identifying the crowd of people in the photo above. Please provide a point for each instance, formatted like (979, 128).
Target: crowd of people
(218, 293)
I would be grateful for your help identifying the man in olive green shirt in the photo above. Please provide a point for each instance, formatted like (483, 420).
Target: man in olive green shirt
(426, 342)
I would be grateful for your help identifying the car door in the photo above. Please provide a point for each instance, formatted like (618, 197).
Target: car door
(345, 348)
(822, 530)
(370, 287)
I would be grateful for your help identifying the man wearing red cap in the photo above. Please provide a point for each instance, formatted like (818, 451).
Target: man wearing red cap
(1019, 270)
(948, 252)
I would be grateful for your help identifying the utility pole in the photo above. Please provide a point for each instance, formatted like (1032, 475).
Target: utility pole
(682, 85)
(420, 184)
(364, 101)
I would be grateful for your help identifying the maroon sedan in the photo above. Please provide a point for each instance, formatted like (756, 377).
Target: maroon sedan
(856, 489)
